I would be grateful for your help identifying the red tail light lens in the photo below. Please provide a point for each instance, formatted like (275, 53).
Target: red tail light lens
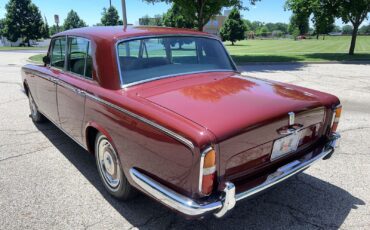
(207, 172)
(336, 117)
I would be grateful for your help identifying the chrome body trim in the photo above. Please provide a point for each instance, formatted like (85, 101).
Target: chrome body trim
(172, 75)
(80, 92)
(228, 199)
(143, 119)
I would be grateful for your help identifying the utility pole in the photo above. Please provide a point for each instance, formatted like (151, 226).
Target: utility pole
(110, 3)
(124, 16)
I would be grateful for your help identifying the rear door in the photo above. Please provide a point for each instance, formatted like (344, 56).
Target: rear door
(72, 86)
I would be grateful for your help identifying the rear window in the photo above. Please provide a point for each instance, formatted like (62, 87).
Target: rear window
(149, 58)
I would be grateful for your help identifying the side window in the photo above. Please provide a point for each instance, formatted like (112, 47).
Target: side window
(58, 53)
(79, 56)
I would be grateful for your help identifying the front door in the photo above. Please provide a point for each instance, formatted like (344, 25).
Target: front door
(72, 85)
(46, 84)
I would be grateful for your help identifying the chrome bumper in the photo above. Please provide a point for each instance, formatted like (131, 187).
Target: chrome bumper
(227, 202)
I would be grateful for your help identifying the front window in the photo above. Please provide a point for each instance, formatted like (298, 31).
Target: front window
(149, 58)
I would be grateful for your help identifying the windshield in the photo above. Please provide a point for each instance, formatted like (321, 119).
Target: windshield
(145, 59)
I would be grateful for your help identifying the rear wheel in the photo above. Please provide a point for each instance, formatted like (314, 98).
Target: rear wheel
(36, 116)
(110, 169)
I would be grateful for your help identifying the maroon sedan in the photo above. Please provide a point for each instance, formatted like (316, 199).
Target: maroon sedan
(166, 112)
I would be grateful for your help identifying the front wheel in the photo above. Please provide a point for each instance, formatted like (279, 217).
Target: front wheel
(36, 116)
(110, 169)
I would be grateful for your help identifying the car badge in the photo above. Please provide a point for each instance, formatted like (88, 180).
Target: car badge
(291, 118)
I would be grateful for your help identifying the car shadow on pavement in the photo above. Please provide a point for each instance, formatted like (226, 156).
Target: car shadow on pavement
(301, 202)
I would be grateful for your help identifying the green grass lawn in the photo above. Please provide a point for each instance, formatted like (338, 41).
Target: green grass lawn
(37, 58)
(9, 48)
(330, 49)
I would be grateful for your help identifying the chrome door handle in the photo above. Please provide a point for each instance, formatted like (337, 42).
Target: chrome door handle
(80, 92)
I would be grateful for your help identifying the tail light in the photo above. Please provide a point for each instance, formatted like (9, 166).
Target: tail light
(335, 120)
(207, 174)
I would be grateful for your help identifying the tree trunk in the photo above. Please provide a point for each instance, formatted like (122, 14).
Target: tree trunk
(353, 40)
(317, 36)
(232, 43)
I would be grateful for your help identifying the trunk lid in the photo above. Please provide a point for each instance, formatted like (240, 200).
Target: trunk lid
(243, 113)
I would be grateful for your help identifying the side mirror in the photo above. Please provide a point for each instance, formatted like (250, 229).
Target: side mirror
(46, 60)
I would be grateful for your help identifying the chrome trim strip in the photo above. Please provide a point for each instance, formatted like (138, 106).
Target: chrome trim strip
(173, 75)
(149, 122)
(143, 119)
(226, 202)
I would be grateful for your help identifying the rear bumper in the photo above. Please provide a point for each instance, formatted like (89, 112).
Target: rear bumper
(228, 199)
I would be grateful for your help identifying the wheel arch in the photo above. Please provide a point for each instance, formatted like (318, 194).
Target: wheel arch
(91, 131)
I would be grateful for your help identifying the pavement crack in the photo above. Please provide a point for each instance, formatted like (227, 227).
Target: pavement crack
(354, 129)
(24, 154)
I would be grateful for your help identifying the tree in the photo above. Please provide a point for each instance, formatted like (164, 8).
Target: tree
(234, 28)
(300, 21)
(347, 29)
(201, 11)
(73, 21)
(350, 11)
(173, 18)
(110, 17)
(355, 12)
(364, 29)
(45, 29)
(144, 21)
(22, 20)
(54, 29)
(158, 20)
(2, 25)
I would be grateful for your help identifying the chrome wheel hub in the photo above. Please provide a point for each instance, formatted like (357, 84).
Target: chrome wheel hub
(108, 164)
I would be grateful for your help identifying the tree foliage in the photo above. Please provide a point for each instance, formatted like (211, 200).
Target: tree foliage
(2, 25)
(174, 18)
(299, 21)
(73, 21)
(365, 29)
(234, 28)
(45, 29)
(110, 17)
(201, 11)
(350, 11)
(22, 20)
(347, 29)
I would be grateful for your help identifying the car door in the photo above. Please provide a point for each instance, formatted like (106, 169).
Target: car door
(72, 85)
(46, 84)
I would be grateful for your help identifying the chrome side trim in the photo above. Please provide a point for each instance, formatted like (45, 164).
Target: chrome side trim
(228, 198)
(168, 132)
(143, 119)
(174, 75)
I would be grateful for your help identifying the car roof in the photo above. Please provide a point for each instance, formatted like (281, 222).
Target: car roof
(121, 32)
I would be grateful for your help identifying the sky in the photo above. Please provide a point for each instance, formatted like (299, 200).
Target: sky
(90, 10)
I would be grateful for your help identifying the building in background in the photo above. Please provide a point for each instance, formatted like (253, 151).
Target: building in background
(215, 24)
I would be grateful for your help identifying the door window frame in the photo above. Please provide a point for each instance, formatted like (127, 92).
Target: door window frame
(87, 51)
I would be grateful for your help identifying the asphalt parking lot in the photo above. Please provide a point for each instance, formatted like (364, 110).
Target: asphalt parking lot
(49, 182)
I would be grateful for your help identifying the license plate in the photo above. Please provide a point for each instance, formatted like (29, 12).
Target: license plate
(285, 145)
